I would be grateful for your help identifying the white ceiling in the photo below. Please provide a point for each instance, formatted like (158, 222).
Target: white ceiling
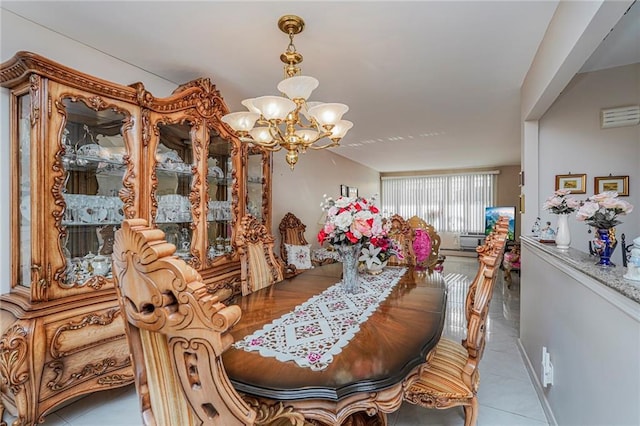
(430, 85)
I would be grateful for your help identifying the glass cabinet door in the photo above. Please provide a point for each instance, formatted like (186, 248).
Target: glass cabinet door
(255, 182)
(24, 190)
(219, 197)
(174, 172)
(94, 165)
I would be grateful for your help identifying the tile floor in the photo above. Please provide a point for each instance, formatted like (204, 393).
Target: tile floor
(507, 397)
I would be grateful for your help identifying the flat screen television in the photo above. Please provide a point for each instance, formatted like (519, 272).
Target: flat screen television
(492, 214)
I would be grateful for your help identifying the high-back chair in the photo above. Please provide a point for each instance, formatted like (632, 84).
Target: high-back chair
(450, 375)
(295, 251)
(435, 260)
(259, 266)
(177, 333)
(400, 232)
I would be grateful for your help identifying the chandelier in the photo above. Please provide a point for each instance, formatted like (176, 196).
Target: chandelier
(290, 122)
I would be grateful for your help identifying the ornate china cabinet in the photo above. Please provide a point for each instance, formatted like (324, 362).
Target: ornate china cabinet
(85, 154)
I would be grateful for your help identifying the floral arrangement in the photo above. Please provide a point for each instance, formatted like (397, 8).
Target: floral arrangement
(421, 245)
(602, 210)
(561, 203)
(351, 220)
(379, 250)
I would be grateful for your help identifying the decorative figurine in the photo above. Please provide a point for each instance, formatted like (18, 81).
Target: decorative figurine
(633, 267)
(547, 233)
(535, 229)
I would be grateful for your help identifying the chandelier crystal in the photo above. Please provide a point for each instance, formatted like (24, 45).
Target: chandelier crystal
(291, 123)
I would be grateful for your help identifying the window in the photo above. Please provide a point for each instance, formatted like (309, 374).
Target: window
(451, 203)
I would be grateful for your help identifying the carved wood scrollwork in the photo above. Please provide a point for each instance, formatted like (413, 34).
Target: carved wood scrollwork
(95, 370)
(39, 278)
(271, 412)
(92, 319)
(35, 83)
(13, 354)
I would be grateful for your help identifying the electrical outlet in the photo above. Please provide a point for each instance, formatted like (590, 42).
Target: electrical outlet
(547, 368)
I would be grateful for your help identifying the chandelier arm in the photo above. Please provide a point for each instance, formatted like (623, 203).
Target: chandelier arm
(270, 148)
(329, 145)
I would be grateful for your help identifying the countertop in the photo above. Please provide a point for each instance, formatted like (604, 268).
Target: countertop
(611, 276)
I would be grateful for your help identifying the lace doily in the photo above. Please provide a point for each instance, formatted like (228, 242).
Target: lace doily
(319, 328)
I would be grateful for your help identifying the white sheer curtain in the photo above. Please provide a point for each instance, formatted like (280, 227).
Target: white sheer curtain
(451, 203)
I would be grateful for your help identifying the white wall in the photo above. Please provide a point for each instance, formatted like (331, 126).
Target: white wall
(574, 33)
(317, 173)
(592, 334)
(300, 191)
(571, 140)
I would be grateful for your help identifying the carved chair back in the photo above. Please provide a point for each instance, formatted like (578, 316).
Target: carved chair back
(400, 231)
(291, 232)
(259, 266)
(177, 333)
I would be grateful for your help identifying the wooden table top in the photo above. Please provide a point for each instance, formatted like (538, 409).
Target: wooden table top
(391, 342)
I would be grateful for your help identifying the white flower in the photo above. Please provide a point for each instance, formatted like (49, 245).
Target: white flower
(587, 210)
(370, 256)
(343, 220)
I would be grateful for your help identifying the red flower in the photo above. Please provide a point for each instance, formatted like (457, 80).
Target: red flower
(321, 236)
(351, 237)
(374, 209)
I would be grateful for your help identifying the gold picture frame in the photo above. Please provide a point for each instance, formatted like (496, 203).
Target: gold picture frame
(577, 184)
(619, 184)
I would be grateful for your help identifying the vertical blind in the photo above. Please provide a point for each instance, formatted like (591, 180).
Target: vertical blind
(451, 203)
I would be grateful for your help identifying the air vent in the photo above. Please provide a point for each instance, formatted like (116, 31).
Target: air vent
(620, 117)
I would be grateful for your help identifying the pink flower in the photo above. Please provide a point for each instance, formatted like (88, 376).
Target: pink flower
(421, 245)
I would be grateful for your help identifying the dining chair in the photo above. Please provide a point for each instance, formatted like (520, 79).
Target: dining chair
(400, 232)
(450, 376)
(259, 266)
(435, 260)
(295, 251)
(177, 332)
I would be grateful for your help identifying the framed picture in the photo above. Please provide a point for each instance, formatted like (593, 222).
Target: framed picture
(491, 216)
(344, 191)
(353, 191)
(619, 184)
(575, 183)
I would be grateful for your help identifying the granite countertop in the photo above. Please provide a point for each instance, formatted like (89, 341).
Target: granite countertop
(610, 276)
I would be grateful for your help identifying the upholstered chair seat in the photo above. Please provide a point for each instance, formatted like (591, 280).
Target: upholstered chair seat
(441, 377)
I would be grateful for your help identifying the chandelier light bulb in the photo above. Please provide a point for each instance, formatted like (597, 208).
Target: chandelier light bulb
(261, 135)
(340, 129)
(327, 115)
(298, 87)
(241, 121)
(274, 107)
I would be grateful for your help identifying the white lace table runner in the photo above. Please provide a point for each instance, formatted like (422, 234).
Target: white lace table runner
(318, 329)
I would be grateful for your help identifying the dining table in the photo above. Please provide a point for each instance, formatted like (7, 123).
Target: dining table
(362, 374)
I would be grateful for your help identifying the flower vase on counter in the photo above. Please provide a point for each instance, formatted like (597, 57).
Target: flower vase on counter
(604, 244)
(601, 211)
(562, 204)
(563, 237)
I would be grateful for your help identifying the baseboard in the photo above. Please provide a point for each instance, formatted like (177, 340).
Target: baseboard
(551, 419)
(462, 253)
